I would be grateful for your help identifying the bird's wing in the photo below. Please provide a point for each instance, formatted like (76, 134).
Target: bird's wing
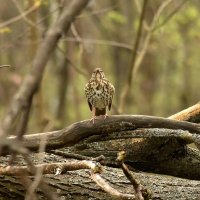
(90, 105)
(112, 92)
(87, 94)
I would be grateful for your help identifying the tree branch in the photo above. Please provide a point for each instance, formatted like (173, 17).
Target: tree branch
(33, 79)
(81, 130)
(19, 17)
(2, 66)
(191, 114)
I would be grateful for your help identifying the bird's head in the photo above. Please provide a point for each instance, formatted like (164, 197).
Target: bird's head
(98, 74)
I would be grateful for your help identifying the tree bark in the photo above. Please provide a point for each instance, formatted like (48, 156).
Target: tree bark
(81, 130)
(152, 144)
(79, 185)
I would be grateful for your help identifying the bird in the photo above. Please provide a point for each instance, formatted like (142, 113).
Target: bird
(99, 93)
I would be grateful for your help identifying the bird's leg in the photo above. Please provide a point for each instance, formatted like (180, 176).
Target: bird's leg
(93, 114)
(105, 116)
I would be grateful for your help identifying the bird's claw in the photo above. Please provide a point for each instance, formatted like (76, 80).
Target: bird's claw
(99, 117)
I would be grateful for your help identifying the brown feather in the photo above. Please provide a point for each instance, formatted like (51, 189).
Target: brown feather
(90, 105)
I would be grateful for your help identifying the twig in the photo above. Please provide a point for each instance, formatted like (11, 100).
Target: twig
(53, 168)
(137, 59)
(77, 69)
(2, 66)
(100, 42)
(97, 12)
(110, 190)
(38, 174)
(33, 79)
(170, 15)
(31, 170)
(19, 17)
(50, 168)
(23, 15)
(76, 156)
(82, 45)
(22, 126)
(138, 188)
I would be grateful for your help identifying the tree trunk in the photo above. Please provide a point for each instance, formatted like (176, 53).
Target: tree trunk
(79, 185)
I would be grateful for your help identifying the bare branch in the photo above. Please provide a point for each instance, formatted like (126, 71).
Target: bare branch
(77, 69)
(138, 188)
(101, 42)
(2, 66)
(33, 79)
(110, 190)
(17, 18)
(170, 15)
(22, 126)
(49, 168)
(137, 58)
(38, 174)
(189, 114)
(98, 12)
(81, 130)
(23, 15)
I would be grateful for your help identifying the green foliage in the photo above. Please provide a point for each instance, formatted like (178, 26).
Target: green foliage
(116, 17)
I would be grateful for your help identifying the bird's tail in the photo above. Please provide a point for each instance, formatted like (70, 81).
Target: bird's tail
(100, 111)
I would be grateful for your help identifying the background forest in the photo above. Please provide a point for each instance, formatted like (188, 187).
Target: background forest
(153, 61)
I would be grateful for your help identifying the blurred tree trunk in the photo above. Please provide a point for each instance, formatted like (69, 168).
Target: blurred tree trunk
(34, 40)
(63, 84)
(121, 56)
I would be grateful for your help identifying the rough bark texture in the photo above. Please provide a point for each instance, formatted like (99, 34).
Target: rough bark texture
(162, 151)
(81, 130)
(158, 155)
(79, 185)
(48, 45)
(191, 114)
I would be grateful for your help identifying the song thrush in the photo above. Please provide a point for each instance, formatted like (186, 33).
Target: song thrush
(99, 93)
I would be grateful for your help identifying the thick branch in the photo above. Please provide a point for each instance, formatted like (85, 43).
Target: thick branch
(185, 136)
(81, 130)
(49, 168)
(78, 185)
(191, 114)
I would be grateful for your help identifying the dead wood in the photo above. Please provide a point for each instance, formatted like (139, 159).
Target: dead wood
(79, 185)
(191, 114)
(81, 130)
(163, 152)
